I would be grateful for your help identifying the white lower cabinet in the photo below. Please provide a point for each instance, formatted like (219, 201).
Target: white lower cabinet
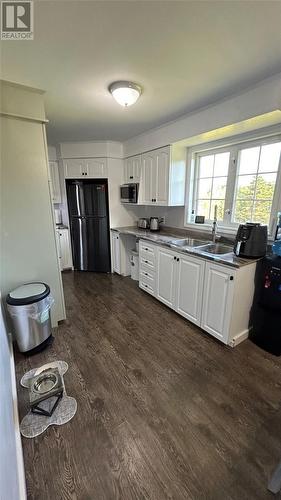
(216, 297)
(180, 283)
(166, 275)
(64, 251)
(189, 287)
(218, 300)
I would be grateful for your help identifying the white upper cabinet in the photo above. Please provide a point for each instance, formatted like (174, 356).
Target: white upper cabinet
(55, 182)
(162, 180)
(96, 167)
(218, 300)
(146, 191)
(132, 169)
(75, 168)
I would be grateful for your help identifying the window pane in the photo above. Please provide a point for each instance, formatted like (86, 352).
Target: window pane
(221, 164)
(270, 156)
(265, 186)
(246, 186)
(219, 187)
(206, 166)
(261, 212)
(220, 209)
(249, 158)
(243, 211)
(205, 188)
(203, 208)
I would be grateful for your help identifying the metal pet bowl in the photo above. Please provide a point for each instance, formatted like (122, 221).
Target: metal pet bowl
(45, 383)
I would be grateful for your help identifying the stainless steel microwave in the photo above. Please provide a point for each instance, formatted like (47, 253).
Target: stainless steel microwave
(129, 193)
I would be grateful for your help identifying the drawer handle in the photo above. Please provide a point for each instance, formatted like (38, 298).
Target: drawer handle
(146, 274)
(146, 249)
(146, 261)
(145, 286)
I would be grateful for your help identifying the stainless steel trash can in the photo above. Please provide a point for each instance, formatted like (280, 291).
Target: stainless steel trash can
(29, 307)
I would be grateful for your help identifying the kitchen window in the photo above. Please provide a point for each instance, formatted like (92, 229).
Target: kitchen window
(242, 180)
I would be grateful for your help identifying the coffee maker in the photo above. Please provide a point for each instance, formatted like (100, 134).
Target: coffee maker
(251, 241)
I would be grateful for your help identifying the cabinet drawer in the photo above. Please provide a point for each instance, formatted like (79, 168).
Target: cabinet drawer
(147, 262)
(147, 287)
(148, 278)
(147, 249)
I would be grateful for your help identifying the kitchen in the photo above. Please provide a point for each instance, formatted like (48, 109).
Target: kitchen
(156, 226)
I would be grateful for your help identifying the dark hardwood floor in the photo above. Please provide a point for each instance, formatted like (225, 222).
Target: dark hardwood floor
(164, 411)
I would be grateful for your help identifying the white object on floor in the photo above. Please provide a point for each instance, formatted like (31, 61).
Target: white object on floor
(34, 424)
(134, 265)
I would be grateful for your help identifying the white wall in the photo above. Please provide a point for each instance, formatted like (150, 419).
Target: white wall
(28, 247)
(263, 99)
(118, 213)
(12, 480)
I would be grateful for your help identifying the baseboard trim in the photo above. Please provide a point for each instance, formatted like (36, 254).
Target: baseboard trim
(239, 338)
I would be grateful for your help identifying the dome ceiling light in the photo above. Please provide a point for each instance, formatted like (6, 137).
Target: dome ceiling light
(125, 93)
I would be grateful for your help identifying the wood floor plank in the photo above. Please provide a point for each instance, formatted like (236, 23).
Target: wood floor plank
(164, 410)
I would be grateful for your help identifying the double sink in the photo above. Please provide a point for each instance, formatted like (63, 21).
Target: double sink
(202, 246)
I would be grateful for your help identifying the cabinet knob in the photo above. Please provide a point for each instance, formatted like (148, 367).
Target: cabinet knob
(174, 258)
(178, 259)
(146, 261)
(131, 177)
(231, 278)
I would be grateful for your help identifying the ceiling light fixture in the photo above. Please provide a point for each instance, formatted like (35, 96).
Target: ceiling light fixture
(125, 93)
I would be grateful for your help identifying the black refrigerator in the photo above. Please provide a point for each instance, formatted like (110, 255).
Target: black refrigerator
(89, 224)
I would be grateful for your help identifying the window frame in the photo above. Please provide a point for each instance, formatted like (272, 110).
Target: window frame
(194, 153)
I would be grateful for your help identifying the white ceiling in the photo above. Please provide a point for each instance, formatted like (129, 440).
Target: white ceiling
(185, 54)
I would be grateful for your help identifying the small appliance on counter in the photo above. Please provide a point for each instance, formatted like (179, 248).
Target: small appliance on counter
(129, 193)
(251, 241)
(143, 223)
(155, 223)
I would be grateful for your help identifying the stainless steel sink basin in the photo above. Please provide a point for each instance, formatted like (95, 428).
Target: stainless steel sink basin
(188, 242)
(216, 248)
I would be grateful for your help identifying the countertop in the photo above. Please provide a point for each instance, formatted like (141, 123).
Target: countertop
(164, 237)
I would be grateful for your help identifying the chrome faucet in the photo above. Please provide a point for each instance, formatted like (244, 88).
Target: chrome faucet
(215, 225)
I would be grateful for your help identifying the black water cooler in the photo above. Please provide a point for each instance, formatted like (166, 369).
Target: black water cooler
(266, 311)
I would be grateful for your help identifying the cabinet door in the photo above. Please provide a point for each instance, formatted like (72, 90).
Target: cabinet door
(55, 181)
(148, 175)
(66, 261)
(96, 168)
(132, 169)
(136, 168)
(189, 287)
(166, 277)
(58, 247)
(129, 170)
(162, 164)
(116, 264)
(217, 300)
(74, 168)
